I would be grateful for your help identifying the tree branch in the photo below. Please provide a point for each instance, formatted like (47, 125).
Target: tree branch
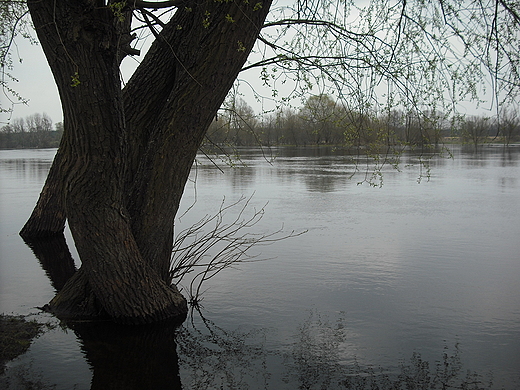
(509, 9)
(156, 5)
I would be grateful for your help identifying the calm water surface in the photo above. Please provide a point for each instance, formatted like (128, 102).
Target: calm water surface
(429, 266)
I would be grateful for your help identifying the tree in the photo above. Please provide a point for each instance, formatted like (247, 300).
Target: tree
(33, 131)
(237, 126)
(475, 130)
(510, 126)
(125, 154)
(321, 118)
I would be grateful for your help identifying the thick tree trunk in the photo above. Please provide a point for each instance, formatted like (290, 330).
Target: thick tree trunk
(208, 59)
(121, 198)
(80, 41)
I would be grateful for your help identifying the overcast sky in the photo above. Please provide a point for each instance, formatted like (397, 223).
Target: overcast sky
(35, 83)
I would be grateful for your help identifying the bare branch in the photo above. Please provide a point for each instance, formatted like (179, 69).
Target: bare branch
(207, 253)
(157, 21)
(509, 8)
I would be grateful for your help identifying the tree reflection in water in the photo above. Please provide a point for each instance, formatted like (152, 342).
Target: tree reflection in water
(316, 361)
(55, 259)
(210, 357)
(131, 357)
(121, 357)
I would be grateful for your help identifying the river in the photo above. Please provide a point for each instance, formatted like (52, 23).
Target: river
(418, 277)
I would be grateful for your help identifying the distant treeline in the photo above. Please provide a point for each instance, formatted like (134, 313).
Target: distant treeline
(34, 131)
(322, 120)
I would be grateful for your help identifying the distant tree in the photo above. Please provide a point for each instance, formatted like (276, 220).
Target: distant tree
(290, 127)
(243, 123)
(475, 130)
(321, 117)
(39, 127)
(268, 132)
(236, 125)
(33, 131)
(6, 137)
(433, 124)
(510, 126)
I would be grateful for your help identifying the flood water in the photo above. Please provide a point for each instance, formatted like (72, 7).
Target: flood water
(408, 279)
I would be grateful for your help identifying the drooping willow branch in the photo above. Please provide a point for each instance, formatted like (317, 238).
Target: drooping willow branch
(212, 245)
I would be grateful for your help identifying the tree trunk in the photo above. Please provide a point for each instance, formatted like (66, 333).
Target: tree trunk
(122, 177)
(82, 45)
(207, 61)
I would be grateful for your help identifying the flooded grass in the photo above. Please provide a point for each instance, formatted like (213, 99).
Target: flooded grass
(16, 335)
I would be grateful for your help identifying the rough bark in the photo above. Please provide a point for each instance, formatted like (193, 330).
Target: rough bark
(128, 156)
(80, 40)
(208, 60)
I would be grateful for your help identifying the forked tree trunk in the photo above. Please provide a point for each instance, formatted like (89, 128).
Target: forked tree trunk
(80, 41)
(123, 176)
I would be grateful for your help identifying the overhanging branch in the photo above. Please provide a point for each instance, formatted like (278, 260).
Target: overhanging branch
(511, 11)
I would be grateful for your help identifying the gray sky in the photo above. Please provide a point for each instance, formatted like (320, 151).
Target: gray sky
(35, 83)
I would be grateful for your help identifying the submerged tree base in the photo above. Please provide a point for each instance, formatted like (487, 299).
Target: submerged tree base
(77, 301)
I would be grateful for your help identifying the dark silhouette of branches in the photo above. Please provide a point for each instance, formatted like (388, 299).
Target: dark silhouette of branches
(211, 245)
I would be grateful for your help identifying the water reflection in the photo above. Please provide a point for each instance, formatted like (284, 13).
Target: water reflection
(508, 158)
(55, 259)
(130, 357)
(121, 357)
(26, 168)
(145, 357)
(412, 265)
(212, 357)
(318, 358)
(319, 355)
(324, 182)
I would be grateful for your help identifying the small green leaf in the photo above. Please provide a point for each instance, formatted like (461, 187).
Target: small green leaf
(205, 21)
(75, 80)
(117, 9)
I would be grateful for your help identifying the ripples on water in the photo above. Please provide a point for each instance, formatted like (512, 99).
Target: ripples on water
(381, 274)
